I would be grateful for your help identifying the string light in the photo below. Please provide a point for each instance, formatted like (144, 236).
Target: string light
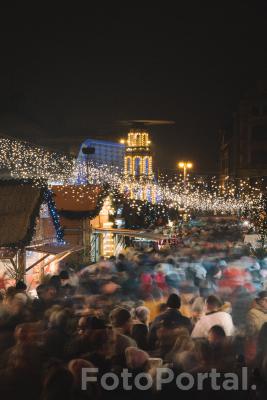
(48, 197)
(26, 161)
(200, 196)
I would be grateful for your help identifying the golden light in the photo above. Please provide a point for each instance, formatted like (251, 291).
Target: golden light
(108, 240)
(122, 141)
(26, 161)
(186, 164)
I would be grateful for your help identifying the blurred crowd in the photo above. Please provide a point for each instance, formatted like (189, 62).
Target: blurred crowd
(199, 306)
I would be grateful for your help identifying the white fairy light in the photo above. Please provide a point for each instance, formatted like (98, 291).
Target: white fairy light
(25, 161)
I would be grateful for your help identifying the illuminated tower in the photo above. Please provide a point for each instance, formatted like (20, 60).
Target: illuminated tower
(138, 168)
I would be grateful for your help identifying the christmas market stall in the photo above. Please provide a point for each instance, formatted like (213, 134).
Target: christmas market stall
(31, 237)
(82, 208)
(20, 204)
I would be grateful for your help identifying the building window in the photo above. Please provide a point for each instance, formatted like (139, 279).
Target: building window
(146, 166)
(138, 139)
(137, 165)
(128, 165)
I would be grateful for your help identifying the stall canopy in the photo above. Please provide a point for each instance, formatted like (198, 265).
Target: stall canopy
(79, 201)
(57, 251)
(141, 234)
(20, 204)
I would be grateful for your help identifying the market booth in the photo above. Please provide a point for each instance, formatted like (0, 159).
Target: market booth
(31, 237)
(83, 208)
(20, 204)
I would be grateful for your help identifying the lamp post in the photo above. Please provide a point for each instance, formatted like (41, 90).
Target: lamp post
(86, 221)
(185, 165)
(87, 151)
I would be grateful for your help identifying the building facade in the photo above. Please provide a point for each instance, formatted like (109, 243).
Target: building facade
(106, 153)
(138, 158)
(243, 147)
(138, 166)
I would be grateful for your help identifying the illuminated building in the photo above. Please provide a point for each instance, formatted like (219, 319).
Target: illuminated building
(106, 152)
(138, 166)
(108, 241)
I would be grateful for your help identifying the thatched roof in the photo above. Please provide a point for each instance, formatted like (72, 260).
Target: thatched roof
(19, 206)
(79, 201)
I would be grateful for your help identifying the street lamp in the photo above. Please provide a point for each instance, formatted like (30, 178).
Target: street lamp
(185, 165)
(87, 151)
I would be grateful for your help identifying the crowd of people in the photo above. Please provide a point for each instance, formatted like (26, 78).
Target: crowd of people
(192, 309)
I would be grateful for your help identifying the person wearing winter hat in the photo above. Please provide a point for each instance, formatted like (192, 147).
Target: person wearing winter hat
(171, 318)
(172, 315)
(174, 301)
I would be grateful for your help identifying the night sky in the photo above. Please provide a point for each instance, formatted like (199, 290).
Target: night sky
(78, 72)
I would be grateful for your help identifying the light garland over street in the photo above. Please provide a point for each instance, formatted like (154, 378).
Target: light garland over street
(25, 161)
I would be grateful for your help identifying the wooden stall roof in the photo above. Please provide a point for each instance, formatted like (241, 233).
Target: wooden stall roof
(20, 204)
(77, 198)
(54, 248)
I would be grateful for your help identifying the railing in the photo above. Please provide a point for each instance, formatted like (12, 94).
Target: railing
(41, 242)
(119, 245)
(93, 249)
